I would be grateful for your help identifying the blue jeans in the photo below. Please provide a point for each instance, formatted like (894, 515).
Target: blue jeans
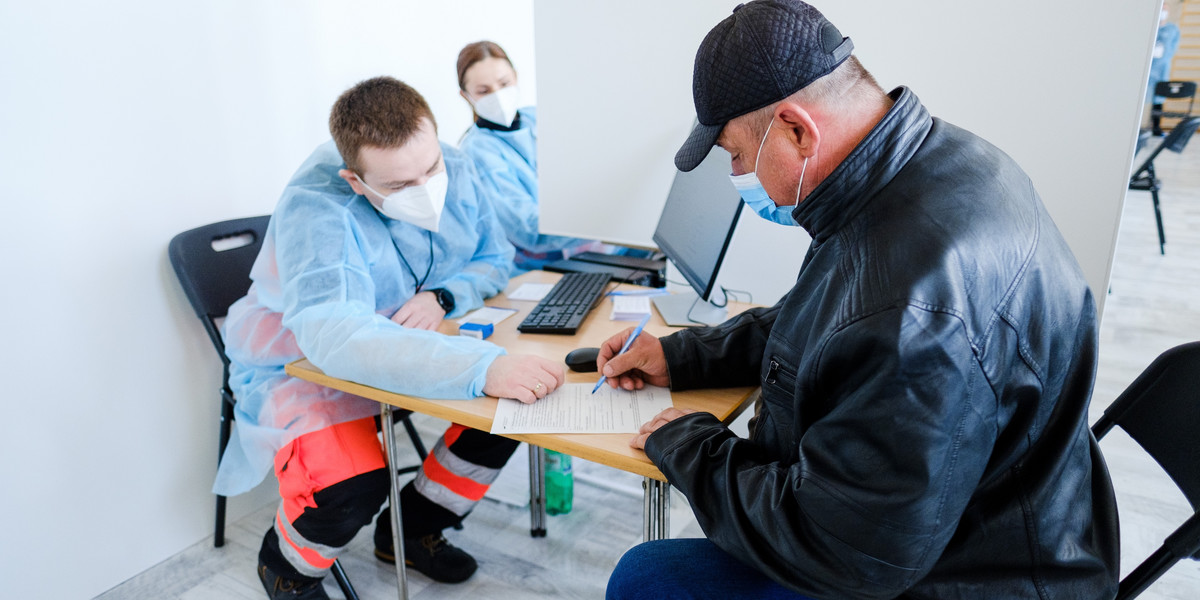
(689, 568)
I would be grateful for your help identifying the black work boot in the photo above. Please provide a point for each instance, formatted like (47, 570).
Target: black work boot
(435, 557)
(279, 588)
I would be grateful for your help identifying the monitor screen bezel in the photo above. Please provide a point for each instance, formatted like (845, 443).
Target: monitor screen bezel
(703, 286)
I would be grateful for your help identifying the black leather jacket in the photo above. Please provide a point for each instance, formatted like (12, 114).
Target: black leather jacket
(922, 431)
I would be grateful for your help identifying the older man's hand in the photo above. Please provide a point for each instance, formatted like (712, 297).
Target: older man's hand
(652, 425)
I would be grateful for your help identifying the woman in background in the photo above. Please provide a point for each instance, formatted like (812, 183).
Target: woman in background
(1166, 42)
(503, 144)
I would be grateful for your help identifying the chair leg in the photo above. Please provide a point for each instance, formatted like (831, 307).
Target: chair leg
(418, 445)
(222, 442)
(416, 439)
(1162, 237)
(219, 531)
(1145, 574)
(339, 574)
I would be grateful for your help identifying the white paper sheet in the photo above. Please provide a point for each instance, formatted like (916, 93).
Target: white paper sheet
(573, 408)
(488, 314)
(630, 308)
(531, 291)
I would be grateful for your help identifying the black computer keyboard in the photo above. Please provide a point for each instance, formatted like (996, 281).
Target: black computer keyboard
(566, 305)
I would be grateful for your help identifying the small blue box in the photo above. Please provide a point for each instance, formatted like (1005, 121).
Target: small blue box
(476, 329)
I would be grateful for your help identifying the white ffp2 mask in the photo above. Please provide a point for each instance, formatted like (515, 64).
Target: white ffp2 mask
(420, 205)
(499, 107)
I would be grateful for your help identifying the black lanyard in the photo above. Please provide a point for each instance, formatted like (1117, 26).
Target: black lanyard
(419, 282)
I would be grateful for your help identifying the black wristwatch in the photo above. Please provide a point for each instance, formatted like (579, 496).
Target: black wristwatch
(444, 299)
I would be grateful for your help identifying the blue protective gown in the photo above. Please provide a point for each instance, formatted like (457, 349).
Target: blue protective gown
(507, 162)
(325, 285)
(1166, 42)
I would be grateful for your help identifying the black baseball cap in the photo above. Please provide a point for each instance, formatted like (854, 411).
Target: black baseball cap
(764, 52)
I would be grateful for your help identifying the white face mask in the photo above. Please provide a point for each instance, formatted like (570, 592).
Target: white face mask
(499, 107)
(420, 205)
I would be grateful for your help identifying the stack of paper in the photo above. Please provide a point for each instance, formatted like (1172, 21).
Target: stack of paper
(630, 308)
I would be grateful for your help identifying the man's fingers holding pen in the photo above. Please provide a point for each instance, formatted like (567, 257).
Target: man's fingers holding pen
(643, 363)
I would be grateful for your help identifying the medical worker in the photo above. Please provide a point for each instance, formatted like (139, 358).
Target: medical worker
(1166, 42)
(380, 235)
(503, 144)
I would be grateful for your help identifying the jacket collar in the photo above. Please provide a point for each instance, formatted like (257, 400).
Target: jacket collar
(486, 124)
(869, 167)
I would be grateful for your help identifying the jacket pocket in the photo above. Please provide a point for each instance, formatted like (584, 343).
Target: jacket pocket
(778, 399)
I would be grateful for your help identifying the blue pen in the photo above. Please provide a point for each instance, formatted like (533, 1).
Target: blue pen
(628, 342)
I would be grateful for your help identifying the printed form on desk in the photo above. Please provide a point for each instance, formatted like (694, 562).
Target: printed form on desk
(573, 408)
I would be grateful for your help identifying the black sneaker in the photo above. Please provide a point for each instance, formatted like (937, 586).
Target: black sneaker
(435, 557)
(279, 588)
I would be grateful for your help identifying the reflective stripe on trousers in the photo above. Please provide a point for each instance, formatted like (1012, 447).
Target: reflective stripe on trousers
(450, 481)
(311, 533)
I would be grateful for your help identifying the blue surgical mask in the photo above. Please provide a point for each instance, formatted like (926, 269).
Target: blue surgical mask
(756, 197)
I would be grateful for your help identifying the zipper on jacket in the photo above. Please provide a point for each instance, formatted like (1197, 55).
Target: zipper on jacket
(771, 371)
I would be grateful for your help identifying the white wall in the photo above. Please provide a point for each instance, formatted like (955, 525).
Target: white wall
(128, 121)
(124, 123)
(1057, 85)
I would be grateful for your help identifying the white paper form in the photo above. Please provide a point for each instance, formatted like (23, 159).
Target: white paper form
(573, 408)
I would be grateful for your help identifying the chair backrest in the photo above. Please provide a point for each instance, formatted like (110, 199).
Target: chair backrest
(1161, 411)
(1175, 89)
(1175, 141)
(213, 278)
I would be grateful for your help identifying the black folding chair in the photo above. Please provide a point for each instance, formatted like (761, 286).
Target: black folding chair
(213, 265)
(1161, 411)
(1175, 90)
(1145, 180)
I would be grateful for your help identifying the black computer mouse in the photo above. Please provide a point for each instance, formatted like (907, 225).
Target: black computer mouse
(582, 360)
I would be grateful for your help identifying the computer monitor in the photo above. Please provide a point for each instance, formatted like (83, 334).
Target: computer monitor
(694, 230)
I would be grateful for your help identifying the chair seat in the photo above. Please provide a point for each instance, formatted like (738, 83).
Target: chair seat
(1169, 114)
(1145, 184)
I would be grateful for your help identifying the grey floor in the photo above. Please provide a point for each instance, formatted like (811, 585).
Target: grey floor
(1154, 304)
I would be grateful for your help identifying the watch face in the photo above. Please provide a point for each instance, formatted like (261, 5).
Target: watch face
(445, 300)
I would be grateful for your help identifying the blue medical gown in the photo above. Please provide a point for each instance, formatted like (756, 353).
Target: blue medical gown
(325, 284)
(507, 162)
(1166, 42)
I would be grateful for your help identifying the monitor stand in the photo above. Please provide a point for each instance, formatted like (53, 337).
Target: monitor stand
(674, 309)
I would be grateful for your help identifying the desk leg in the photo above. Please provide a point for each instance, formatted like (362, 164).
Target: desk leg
(664, 510)
(389, 447)
(656, 509)
(537, 492)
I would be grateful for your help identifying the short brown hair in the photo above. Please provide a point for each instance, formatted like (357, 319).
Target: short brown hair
(383, 112)
(475, 52)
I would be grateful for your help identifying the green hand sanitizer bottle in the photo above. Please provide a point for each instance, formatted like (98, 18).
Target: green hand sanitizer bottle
(560, 483)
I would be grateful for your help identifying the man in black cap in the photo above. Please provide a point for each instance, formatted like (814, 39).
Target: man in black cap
(922, 430)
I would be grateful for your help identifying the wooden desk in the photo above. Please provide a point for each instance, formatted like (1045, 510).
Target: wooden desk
(608, 449)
